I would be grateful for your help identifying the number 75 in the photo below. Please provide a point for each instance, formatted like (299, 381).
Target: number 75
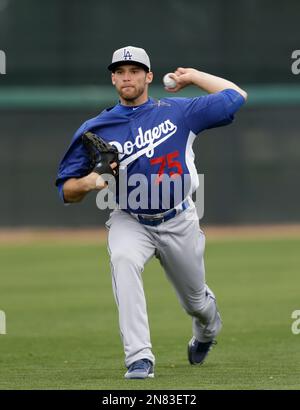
(167, 160)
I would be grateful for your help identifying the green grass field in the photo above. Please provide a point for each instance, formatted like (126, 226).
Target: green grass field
(62, 327)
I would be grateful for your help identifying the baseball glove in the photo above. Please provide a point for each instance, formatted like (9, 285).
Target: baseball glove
(101, 154)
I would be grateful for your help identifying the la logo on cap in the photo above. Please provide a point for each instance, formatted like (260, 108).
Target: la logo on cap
(127, 55)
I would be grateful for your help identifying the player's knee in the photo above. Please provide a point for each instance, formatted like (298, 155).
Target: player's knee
(123, 258)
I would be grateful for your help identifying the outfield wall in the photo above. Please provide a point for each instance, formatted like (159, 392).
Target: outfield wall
(57, 52)
(70, 42)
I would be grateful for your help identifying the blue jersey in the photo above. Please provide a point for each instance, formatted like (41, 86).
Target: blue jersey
(155, 142)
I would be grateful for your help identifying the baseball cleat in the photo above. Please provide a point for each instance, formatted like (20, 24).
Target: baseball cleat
(197, 351)
(141, 369)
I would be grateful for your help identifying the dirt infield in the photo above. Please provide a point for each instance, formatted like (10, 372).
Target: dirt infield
(98, 235)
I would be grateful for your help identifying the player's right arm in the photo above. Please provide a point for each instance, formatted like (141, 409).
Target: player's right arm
(207, 82)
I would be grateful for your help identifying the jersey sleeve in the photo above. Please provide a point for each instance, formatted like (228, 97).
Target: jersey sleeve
(212, 110)
(75, 163)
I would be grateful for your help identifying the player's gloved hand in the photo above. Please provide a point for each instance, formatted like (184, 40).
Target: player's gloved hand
(104, 157)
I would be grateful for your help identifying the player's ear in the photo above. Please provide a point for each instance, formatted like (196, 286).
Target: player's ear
(113, 79)
(149, 77)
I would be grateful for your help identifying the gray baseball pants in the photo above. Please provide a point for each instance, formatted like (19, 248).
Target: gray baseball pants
(179, 245)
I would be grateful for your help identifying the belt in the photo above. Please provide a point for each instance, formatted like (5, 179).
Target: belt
(157, 219)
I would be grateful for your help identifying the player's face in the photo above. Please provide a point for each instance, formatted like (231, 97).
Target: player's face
(131, 82)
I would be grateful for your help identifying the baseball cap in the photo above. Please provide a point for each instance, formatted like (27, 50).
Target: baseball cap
(130, 55)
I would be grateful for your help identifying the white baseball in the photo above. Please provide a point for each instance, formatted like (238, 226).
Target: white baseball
(169, 82)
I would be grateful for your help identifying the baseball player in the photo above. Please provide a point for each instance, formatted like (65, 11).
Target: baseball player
(154, 139)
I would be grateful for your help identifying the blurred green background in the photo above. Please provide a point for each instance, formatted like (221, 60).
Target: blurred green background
(57, 53)
(62, 327)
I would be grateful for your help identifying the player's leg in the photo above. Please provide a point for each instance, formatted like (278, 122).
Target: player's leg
(181, 252)
(130, 246)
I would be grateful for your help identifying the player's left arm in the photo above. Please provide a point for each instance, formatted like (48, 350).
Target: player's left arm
(207, 82)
